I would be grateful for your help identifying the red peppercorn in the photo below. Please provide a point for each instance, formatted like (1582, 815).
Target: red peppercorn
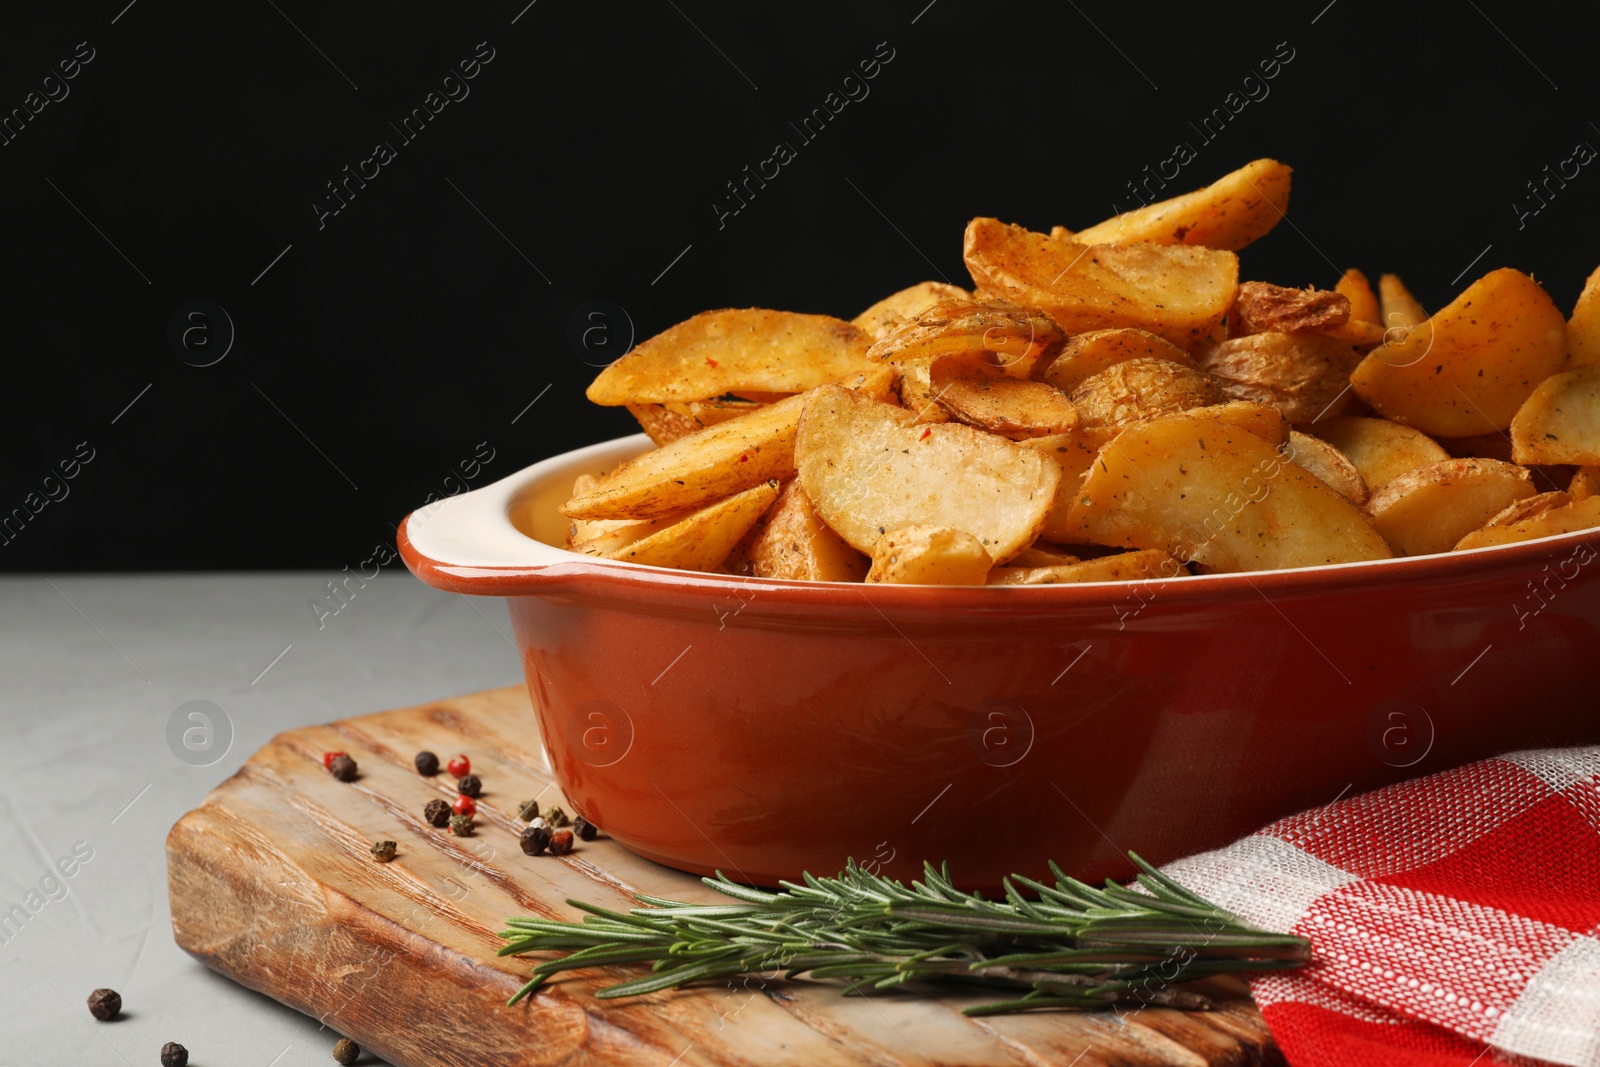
(460, 766)
(464, 805)
(561, 842)
(328, 758)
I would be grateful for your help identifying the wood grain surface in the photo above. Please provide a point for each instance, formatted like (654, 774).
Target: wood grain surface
(272, 885)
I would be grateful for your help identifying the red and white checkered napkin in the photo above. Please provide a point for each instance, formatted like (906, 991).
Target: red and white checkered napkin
(1454, 919)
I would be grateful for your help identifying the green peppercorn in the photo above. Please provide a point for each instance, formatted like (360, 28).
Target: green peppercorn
(556, 817)
(105, 1004)
(528, 810)
(534, 840)
(174, 1055)
(427, 764)
(461, 825)
(384, 851)
(470, 785)
(585, 829)
(346, 1051)
(343, 768)
(561, 842)
(437, 813)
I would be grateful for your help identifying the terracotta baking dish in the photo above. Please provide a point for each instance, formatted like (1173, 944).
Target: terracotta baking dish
(767, 727)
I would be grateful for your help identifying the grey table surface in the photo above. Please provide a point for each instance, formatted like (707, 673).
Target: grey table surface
(92, 671)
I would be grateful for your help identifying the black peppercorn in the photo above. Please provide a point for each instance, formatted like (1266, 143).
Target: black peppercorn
(384, 851)
(346, 1051)
(585, 829)
(437, 813)
(561, 842)
(528, 810)
(105, 1004)
(461, 825)
(174, 1055)
(470, 785)
(535, 839)
(427, 763)
(556, 817)
(343, 768)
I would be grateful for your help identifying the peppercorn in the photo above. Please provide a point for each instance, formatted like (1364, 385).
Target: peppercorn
(556, 817)
(437, 813)
(535, 839)
(328, 758)
(459, 766)
(464, 805)
(585, 829)
(561, 842)
(343, 768)
(427, 763)
(383, 851)
(461, 825)
(528, 810)
(174, 1055)
(471, 785)
(105, 1004)
(346, 1051)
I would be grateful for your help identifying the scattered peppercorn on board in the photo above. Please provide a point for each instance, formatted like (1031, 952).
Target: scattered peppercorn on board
(273, 884)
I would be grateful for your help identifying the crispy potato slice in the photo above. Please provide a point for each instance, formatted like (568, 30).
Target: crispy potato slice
(715, 462)
(1560, 422)
(1263, 420)
(1400, 310)
(1231, 212)
(1304, 375)
(1431, 508)
(702, 540)
(908, 303)
(1139, 389)
(1537, 516)
(662, 425)
(1090, 353)
(1073, 453)
(1585, 483)
(607, 537)
(917, 392)
(929, 555)
(869, 468)
(1122, 567)
(1264, 308)
(1332, 467)
(1219, 497)
(1179, 293)
(1583, 329)
(1468, 368)
(1010, 407)
(1364, 307)
(982, 332)
(792, 541)
(732, 350)
(1381, 450)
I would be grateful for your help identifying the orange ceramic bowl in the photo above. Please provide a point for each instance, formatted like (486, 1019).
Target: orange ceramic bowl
(766, 727)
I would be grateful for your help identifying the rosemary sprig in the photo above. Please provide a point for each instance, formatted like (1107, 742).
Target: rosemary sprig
(1074, 946)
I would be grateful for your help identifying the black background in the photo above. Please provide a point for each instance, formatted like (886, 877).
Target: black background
(382, 348)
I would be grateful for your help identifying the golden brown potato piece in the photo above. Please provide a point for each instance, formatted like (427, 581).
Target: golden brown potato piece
(917, 392)
(702, 540)
(1537, 516)
(1304, 375)
(1177, 292)
(1431, 508)
(1468, 368)
(792, 541)
(982, 332)
(1266, 308)
(1138, 389)
(1400, 310)
(1329, 465)
(729, 351)
(1010, 407)
(1380, 449)
(1092, 352)
(1583, 329)
(894, 309)
(1363, 302)
(1122, 567)
(1560, 422)
(1041, 555)
(929, 555)
(1218, 496)
(869, 468)
(1263, 420)
(1585, 483)
(1230, 213)
(662, 425)
(1073, 453)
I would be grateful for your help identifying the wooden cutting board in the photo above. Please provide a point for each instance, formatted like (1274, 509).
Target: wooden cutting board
(272, 885)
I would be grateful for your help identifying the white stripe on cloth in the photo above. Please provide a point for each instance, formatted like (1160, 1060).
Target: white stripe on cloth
(1559, 768)
(1263, 880)
(1557, 1017)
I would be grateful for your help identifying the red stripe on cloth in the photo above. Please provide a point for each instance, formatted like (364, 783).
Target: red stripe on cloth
(1312, 1036)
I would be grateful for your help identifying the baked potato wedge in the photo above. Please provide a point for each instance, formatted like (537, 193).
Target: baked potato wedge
(792, 541)
(1072, 453)
(1400, 310)
(1011, 407)
(701, 540)
(929, 555)
(1234, 211)
(1583, 328)
(1537, 516)
(1381, 450)
(1354, 287)
(1585, 483)
(1266, 308)
(1139, 389)
(1122, 567)
(979, 332)
(1560, 421)
(1306, 376)
(1430, 509)
(908, 303)
(1332, 467)
(1089, 353)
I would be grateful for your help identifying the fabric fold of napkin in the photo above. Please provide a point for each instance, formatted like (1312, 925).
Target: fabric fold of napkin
(1453, 919)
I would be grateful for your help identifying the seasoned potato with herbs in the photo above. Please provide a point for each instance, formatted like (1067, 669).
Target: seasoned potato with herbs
(1583, 329)
(1332, 467)
(1380, 449)
(917, 392)
(1585, 483)
(1560, 421)
(1178, 292)
(1469, 368)
(1354, 287)
(908, 303)
(869, 468)
(1431, 508)
(792, 541)
(1304, 375)
(1232, 212)
(1090, 353)
(662, 425)
(1138, 389)
(1123, 567)
(929, 555)
(1219, 497)
(981, 333)
(1266, 308)
(1398, 308)
(701, 540)
(1010, 407)
(731, 351)
(1534, 517)
(1072, 453)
